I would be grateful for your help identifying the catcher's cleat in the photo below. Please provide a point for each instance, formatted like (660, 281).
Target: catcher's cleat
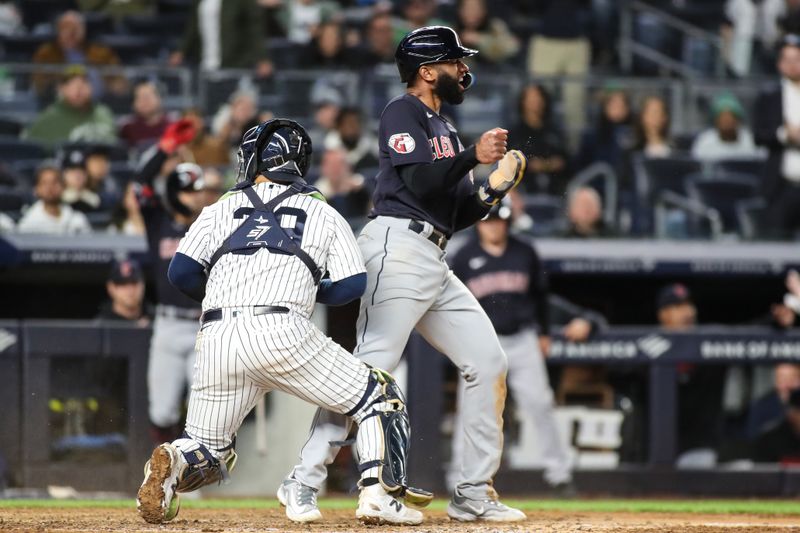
(466, 509)
(376, 507)
(300, 501)
(157, 501)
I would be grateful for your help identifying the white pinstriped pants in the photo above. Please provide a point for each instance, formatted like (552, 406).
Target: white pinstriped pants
(242, 357)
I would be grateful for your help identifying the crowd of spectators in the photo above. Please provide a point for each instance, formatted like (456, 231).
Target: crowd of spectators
(93, 126)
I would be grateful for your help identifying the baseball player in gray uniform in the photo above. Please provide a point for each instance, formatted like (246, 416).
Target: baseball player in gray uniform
(424, 193)
(508, 279)
(256, 260)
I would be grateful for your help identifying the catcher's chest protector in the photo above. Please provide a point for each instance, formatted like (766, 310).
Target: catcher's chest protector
(262, 229)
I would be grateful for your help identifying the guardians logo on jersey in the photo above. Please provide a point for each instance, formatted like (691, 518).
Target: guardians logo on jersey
(402, 143)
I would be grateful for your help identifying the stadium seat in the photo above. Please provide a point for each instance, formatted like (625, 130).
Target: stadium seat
(13, 149)
(753, 167)
(10, 127)
(11, 200)
(547, 213)
(654, 175)
(98, 24)
(40, 12)
(134, 49)
(20, 48)
(723, 192)
(161, 27)
(751, 217)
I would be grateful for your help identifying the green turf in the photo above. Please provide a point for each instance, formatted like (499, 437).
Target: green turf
(762, 507)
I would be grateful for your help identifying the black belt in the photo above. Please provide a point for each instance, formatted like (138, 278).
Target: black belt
(216, 314)
(436, 237)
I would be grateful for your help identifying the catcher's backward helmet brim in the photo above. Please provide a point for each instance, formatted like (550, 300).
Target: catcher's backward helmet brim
(426, 45)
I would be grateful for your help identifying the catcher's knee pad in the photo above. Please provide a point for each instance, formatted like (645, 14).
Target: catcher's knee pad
(385, 402)
(201, 467)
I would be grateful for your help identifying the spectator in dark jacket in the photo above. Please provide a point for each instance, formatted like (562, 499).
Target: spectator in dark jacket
(781, 442)
(612, 136)
(537, 136)
(777, 126)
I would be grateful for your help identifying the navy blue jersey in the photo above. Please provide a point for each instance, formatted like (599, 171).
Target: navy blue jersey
(163, 237)
(511, 288)
(410, 132)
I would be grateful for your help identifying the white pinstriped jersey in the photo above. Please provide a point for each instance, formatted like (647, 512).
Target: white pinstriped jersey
(266, 278)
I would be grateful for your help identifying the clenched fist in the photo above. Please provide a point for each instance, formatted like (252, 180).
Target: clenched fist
(491, 147)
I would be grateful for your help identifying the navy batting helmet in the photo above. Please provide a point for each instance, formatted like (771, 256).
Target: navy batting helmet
(187, 177)
(278, 148)
(430, 44)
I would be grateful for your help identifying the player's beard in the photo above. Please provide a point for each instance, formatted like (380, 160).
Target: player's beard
(448, 89)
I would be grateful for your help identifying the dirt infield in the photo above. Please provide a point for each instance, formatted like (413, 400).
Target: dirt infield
(240, 520)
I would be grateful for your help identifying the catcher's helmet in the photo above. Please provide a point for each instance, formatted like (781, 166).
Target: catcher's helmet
(187, 177)
(278, 148)
(426, 45)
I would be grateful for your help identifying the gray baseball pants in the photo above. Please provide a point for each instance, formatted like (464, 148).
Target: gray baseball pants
(409, 285)
(170, 368)
(528, 384)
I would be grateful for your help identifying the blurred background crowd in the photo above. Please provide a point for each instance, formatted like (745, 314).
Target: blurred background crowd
(642, 120)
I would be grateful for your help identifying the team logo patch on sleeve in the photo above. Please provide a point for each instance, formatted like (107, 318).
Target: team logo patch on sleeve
(402, 143)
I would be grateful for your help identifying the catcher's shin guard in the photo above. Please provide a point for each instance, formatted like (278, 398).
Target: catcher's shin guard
(202, 468)
(393, 427)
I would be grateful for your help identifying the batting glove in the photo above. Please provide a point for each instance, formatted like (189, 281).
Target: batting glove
(505, 177)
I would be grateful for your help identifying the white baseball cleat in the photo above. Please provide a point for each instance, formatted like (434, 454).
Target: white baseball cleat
(488, 509)
(376, 507)
(300, 501)
(157, 501)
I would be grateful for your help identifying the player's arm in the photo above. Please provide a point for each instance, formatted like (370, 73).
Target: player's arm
(348, 277)
(428, 179)
(152, 160)
(343, 291)
(187, 269)
(188, 276)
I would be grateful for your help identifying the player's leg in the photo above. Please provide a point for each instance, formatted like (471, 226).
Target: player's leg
(528, 383)
(398, 293)
(322, 372)
(221, 396)
(457, 326)
(166, 375)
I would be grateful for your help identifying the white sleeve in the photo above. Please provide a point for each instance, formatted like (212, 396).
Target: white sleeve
(344, 256)
(195, 243)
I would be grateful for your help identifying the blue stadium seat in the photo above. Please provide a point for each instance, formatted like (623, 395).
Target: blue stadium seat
(755, 167)
(20, 48)
(13, 149)
(134, 49)
(547, 213)
(723, 192)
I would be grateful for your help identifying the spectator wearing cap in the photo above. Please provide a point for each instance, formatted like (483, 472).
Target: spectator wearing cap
(224, 34)
(781, 442)
(74, 116)
(71, 48)
(676, 311)
(125, 287)
(777, 127)
(728, 138)
(49, 214)
(77, 193)
(148, 121)
(699, 386)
